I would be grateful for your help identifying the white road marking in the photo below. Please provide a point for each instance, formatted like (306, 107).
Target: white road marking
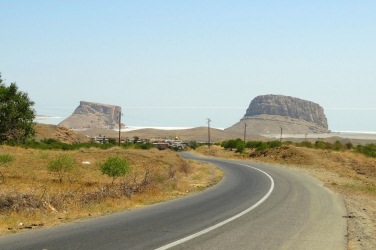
(207, 230)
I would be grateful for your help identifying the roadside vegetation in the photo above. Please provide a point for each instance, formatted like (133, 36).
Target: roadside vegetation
(41, 187)
(358, 162)
(239, 146)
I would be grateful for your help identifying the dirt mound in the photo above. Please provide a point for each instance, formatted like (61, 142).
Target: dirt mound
(284, 154)
(47, 131)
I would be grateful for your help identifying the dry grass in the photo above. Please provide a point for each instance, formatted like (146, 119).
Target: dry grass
(31, 196)
(350, 174)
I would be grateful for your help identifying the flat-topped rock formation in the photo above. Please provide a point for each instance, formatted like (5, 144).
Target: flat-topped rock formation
(267, 114)
(90, 115)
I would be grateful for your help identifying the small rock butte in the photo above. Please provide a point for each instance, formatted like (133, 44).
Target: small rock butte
(268, 114)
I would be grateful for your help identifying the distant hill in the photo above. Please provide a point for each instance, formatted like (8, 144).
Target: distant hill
(47, 131)
(268, 114)
(90, 115)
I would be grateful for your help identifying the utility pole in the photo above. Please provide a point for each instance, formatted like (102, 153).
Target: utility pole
(245, 131)
(281, 134)
(119, 117)
(208, 131)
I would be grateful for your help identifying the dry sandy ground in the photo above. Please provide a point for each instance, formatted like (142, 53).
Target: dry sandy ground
(349, 174)
(361, 209)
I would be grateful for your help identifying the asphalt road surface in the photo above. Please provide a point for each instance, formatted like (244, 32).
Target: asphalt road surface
(257, 207)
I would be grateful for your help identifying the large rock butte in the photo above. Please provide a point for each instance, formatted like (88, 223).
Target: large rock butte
(268, 114)
(90, 115)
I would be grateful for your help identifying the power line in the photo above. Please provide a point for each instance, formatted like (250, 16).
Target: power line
(119, 117)
(208, 131)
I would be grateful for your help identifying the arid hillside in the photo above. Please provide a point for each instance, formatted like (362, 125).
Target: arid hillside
(47, 131)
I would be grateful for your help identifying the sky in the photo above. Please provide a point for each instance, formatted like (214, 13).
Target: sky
(177, 63)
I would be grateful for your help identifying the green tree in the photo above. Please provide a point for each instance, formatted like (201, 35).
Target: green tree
(231, 144)
(193, 144)
(115, 167)
(253, 144)
(240, 147)
(16, 114)
(61, 165)
(5, 159)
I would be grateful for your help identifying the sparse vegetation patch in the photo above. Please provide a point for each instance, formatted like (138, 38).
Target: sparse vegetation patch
(53, 186)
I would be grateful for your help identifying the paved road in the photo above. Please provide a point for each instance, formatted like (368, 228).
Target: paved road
(298, 214)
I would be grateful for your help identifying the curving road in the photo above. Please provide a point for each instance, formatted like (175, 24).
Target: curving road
(258, 207)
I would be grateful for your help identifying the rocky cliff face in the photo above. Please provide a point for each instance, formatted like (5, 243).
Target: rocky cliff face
(289, 107)
(93, 115)
(267, 114)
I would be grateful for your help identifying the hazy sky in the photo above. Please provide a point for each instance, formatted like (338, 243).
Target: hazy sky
(176, 63)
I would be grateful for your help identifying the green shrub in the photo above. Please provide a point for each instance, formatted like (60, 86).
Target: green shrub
(320, 145)
(274, 144)
(240, 147)
(193, 144)
(252, 144)
(115, 167)
(5, 159)
(48, 144)
(287, 143)
(61, 165)
(231, 144)
(368, 150)
(144, 146)
(127, 145)
(262, 146)
(338, 146)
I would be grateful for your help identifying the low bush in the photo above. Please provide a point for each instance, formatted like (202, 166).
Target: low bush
(260, 146)
(48, 144)
(144, 146)
(237, 144)
(368, 150)
(193, 145)
(5, 159)
(61, 165)
(274, 144)
(115, 167)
